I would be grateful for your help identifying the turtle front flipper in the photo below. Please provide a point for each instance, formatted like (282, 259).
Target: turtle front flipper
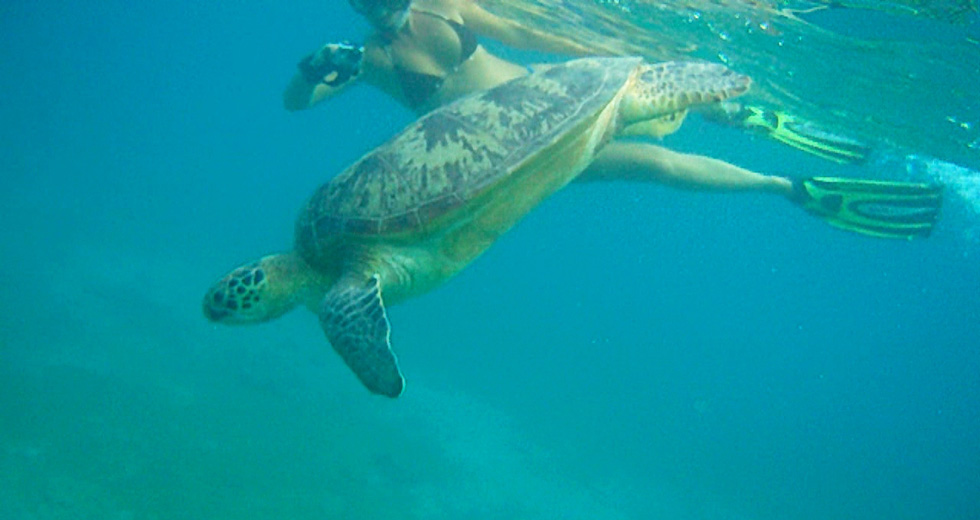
(354, 319)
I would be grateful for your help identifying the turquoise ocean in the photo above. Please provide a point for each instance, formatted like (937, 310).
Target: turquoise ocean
(626, 352)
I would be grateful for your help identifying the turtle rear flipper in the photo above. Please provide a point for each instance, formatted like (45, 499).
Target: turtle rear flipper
(354, 319)
(664, 88)
(657, 127)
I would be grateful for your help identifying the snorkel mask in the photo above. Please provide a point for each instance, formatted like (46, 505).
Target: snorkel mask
(386, 15)
(333, 65)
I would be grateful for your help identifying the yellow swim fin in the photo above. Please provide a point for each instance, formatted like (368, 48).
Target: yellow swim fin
(804, 136)
(883, 209)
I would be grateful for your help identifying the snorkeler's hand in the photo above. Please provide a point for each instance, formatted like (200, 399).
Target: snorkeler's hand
(334, 64)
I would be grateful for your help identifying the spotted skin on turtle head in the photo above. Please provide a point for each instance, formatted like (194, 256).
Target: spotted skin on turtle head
(237, 297)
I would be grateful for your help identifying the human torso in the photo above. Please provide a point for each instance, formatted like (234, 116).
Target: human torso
(433, 59)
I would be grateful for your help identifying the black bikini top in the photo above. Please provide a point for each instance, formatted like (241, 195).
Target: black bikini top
(419, 87)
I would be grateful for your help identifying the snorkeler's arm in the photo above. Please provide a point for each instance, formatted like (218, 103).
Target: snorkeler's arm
(300, 94)
(322, 74)
(514, 34)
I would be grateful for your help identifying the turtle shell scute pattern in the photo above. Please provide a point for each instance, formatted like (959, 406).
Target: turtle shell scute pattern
(448, 157)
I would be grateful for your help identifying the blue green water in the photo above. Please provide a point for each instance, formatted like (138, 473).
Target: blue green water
(627, 351)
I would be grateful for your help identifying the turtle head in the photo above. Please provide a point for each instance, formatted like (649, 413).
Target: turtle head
(260, 291)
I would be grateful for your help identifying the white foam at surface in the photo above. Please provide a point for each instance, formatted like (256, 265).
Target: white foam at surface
(957, 179)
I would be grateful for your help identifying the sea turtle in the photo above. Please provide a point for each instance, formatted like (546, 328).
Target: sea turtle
(415, 211)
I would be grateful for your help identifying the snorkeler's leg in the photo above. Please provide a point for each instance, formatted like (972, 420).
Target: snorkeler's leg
(883, 209)
(647, 162)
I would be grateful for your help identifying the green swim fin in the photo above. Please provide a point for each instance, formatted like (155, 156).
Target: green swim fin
(806, 137)
(877, 208)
